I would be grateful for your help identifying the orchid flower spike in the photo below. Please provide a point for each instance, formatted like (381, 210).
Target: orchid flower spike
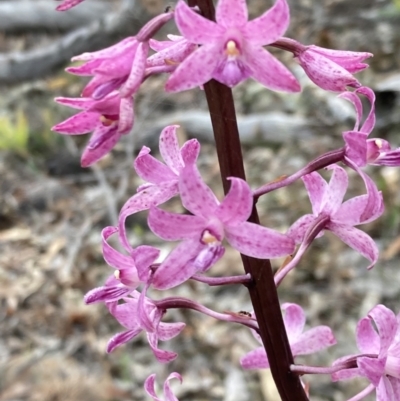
(232, 47)
(202, 232)
(378, 339)
(162, 179)
(108, 119)
(301, 343)
(149, 386)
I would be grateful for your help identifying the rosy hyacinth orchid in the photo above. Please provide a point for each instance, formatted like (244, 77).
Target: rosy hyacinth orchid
(108, 119)
(202, 233)
(162, 179)
(149, 386)
(130, 270)
(359, 149)
(122, 64)
(67, 4)
(301, 343)
(332, 69)
(130, 315)
(340, 218)
(378, 339)
(232, 47)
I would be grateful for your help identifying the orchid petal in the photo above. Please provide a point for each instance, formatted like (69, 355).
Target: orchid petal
(294, 319)
(136, 75)
(196, 196)
(173, 226)
(357, 240)
(270, 26)
(194, 27)
(79, 124)
(167, 331)
(353, 98)
(259, 242)
(190, 151)
(316, 187)
(386, 324)
(126, 115)
(151, 196)
(298, 229)
(102, 141)
(313, 340)
(368, 341)
(161, 355)
(121, 338)
(196, 69)
(337, 188)
(178, 266)
(270, 72)
(372, 368)
(168, 394)
(169, 148)
(152, 170)
(256, 359)
(356, 147)
(111, 256)
(231, 13)
(237, 204)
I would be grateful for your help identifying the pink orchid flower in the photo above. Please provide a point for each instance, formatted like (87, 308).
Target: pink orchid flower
(162, 179)
(121, 64)
(138, 314)
(130, 270)
(359, 149)
(332, 69)
(232, 48)
(149, 386)
(301, 343)
(378, 339)
(67, 4)
(340, 218)
(108, 119)
(202, 233)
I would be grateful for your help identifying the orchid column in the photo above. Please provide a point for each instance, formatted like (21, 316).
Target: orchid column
(262, 290)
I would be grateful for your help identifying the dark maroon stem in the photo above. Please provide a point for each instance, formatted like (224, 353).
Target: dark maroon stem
(262, 290)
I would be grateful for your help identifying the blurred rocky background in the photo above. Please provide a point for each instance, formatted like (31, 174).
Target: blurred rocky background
(52, 346)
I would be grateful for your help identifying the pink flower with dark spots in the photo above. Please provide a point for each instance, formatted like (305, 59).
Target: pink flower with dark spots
(359, 149)
(232, 47)
(202, 232)
(120, 65)
(161, 179)
(130, 315)
(131, 270)
(301, 343)
(378, 339)
(332, 69)
(340, 218)
(108, 119)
